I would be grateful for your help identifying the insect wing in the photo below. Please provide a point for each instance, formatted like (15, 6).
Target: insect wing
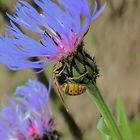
(60, 93)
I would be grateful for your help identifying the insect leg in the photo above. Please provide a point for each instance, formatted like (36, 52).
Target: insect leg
(77, 77)
(60, 95)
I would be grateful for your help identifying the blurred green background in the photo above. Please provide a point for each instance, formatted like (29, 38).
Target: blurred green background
(114, 40)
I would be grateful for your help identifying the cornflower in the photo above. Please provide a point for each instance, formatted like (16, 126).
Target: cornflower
(59, 26)
(29, 116)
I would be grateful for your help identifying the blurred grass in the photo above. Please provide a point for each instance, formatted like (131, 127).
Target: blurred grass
(135, 128)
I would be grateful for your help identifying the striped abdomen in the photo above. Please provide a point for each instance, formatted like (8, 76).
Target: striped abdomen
(73, 89)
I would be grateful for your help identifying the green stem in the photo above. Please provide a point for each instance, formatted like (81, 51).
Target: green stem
(96, 96)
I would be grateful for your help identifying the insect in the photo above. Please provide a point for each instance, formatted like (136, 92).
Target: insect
(66, 84)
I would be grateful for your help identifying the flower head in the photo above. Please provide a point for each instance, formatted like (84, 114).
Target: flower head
(59, 27)
(29, 115)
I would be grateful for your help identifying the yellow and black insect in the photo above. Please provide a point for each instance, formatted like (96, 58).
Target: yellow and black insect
(65, 84)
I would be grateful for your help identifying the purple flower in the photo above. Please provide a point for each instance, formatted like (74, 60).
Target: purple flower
(59, 28)
(29, 116)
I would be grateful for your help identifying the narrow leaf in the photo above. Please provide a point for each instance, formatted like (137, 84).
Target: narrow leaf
(122, 120)
(101, 126)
